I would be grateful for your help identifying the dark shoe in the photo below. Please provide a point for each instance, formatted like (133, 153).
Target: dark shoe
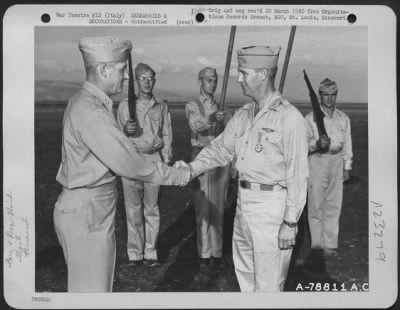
(330, 252)
(300, 262)
(204, 262)
(152, 263)
(219, 262)
(133, 263)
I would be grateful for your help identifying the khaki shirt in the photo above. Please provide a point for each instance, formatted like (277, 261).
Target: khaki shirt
(94, 150)
(155, 120)
(338, 129)
(202, 125)
(270, 148)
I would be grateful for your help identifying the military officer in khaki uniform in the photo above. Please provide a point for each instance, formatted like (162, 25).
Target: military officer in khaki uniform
(94, 152)
(330, 163)
(268, 138)
(141, 198)
(210, 188)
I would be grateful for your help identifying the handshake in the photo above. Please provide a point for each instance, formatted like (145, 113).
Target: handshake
(180, 164)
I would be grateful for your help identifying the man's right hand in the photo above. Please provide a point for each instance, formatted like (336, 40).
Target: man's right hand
(130, 128)
(180, 164)
(323, 144)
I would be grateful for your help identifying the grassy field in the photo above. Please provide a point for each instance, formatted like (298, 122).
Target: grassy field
(179, 271)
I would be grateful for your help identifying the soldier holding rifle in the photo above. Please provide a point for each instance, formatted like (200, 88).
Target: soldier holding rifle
(155, 143)
(268, 138)
(94, 152)
(330, 163)
(209, 188)
(207, 120)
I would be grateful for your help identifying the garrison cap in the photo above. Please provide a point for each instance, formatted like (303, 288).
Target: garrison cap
(207, 72)
(327, 87)
(258, 57)
(104, 49)
(143, 68)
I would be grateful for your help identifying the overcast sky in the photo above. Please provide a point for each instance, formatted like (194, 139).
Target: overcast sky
(178, 53)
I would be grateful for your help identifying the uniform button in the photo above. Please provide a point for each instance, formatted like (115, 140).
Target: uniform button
(247, 142)
(242, 158)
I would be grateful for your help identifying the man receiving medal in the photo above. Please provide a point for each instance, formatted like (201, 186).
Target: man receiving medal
(267, 138)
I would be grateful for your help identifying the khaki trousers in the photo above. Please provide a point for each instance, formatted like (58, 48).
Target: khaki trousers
(260, 265)
(325, 194)
(209, 193)
(84, 220)
(142, 218)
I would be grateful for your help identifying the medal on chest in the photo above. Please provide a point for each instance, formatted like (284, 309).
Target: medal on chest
(258, 148)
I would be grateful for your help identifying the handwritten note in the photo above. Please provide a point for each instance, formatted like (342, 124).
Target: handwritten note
(16, 231)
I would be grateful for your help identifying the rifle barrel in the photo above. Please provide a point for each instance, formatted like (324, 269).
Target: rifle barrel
(318, 114)
(131, 91)
(219, 127)
(132, 99)
(227, 66)
(287, 57)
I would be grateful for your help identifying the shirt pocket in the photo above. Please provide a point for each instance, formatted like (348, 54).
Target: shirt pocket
(271, 141)
(273, 137)
(155, 115)
(272, 149)
(155, 118)
(239, 134)
(238, 139)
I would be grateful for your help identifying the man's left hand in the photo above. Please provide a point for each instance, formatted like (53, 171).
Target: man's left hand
(287, 237)
(346, 175)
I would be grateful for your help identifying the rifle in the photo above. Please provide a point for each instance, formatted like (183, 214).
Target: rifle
(287, 57)
(219, 126)
(318, 114)
(132, 100)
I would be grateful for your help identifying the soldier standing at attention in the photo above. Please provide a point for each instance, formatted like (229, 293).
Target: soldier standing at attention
(268, 139)
(94, 152)
(330, 163)
(141, 198)
(210, 188)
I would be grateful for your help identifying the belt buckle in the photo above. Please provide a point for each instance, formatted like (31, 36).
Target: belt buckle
(255, 186)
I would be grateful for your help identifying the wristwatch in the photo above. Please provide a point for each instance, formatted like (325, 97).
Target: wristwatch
(291, 225)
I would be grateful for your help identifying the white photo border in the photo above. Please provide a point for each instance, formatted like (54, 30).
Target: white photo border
(19, 177)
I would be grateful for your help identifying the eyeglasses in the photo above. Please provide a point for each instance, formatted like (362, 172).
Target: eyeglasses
(146, 78)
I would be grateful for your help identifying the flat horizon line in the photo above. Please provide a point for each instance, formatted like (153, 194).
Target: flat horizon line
(180, 102)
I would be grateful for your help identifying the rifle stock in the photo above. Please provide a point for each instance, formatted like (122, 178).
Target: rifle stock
(318, 114)
(132, 99)
(219, 126)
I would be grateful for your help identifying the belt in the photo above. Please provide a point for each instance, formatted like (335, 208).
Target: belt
(147, 152)
(259, 187)
(330, 152)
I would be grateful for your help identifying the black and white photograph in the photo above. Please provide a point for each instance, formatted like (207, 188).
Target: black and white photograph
(203, 157)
